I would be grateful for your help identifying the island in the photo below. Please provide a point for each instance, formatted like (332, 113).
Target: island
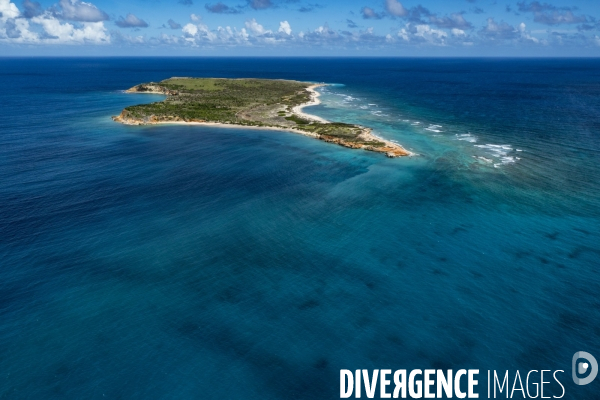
(249, 103)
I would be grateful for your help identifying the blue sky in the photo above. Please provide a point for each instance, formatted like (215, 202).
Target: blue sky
(300, 28)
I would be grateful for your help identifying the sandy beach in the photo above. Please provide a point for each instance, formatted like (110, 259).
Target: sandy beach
(314, 100)
(238, 126)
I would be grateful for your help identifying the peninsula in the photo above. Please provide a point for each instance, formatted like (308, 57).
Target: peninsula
(262, 103)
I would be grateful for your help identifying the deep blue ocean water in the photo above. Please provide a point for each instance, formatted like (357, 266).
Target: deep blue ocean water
(195, 262)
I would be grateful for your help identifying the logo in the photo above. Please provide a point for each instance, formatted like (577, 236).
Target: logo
(583, 366)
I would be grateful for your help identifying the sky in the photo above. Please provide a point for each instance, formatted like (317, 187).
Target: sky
(416, 28)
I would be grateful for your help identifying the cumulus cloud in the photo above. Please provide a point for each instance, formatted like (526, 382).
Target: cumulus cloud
(8, 10)
(422, 34)
(190, 29)
(369, 13)
(536, 6)
(525, 35)
(77, 10)
(11, 29)
(499, 30)
(420, 27)
(260, 4)
(453, 21)
(32, 9)
(131, 21)
(395, 8)
(252, 34)
(255, 27)
(93, 32)
(548, 14)
(586, 27)
(431, 35)
(323, 34)
(458, 32)
(309, 7)
(557, 17)
(35, 26)
(220, 8)
(284, 27)
(418, 15)
(198, 34)
(173, 24)
(123, 38)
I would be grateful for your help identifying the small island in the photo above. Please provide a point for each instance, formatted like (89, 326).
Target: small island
(261, 103)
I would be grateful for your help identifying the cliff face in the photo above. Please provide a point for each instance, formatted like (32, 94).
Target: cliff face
(390, 151)
(153, 88)
(127, 118)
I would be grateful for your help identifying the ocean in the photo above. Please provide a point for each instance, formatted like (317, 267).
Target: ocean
(204, 263)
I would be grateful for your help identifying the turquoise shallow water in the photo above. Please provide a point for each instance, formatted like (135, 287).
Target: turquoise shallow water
(187, 262)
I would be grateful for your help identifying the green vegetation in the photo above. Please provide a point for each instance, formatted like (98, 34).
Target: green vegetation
(255, 102)
(222, 100)
(297, 120)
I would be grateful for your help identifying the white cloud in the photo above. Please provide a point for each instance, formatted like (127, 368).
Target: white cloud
(395, 8)
(131, 21)
(458, 32)
(190, 29)
(499, 30)
(77, 10)
(48, 29)
(199, 33)
(8, 10)
(88, 32)
(403, 33)
(16, 31)
(526, 35)
(455, 20)
(256, 28)
(424, 34)
(369, 13)
(433, 36)
(285, 27)
(71, 22)
(323, 35)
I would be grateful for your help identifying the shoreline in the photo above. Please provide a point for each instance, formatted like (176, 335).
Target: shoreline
(238, 126)
(390, 148)
(367, 132)
(314, 101)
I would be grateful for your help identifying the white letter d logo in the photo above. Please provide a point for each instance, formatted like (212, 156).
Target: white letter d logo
(582, 368)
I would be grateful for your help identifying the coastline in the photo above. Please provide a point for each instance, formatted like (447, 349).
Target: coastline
(314, 101)
(367, 132)
(238, 126)
(390, 149)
